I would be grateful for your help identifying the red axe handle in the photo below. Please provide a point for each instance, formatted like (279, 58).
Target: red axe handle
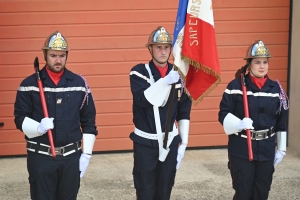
(246, 111)
(44, 105)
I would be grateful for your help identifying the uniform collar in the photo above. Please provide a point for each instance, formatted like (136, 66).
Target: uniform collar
(63, 80)
(266, 87)
(155, 73)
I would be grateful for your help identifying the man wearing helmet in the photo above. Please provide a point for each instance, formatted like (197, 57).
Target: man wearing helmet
(268, 104)
(155, 167)
(71, 118)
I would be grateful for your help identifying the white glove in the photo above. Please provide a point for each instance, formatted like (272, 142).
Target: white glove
(278, 157)
(83, 163)
(180, 154)
(245, 123)
(45, 125)
(172, 77)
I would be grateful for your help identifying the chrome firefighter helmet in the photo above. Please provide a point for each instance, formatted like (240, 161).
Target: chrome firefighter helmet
(159, 36)
(56, 41)
(257, 50)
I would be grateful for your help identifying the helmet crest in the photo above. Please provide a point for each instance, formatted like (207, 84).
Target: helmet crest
(258, 49)
(159, 36)
(56, 41)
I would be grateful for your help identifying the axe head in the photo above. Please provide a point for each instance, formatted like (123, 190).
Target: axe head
(36, 63)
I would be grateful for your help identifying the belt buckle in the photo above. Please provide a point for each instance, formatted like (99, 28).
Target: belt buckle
(59, 150)
(259, 134)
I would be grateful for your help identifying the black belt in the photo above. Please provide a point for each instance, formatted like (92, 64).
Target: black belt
(257, 135)
(46, 149)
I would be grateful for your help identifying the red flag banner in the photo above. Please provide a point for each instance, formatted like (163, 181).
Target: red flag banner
(195, 49)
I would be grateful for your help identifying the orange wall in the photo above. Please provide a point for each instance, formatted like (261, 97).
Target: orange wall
(107, 38)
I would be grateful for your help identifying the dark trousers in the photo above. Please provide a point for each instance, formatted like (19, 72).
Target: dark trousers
(250, 180)
(53, 179)
(153, 180)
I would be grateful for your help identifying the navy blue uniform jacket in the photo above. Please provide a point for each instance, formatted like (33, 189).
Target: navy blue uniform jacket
(143, 115)
(63, 103)
(263, 105)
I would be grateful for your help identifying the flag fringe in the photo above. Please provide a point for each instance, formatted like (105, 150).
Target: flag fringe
(207, 70)
(198, 65)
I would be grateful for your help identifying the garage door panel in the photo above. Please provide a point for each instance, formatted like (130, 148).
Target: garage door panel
(107, 38)
(11, 136)
(251, 13)
(208, 140)
(114, 106)
(7, 97)
(42, 6)
(112, 94)
(126, 55)
(218, 91)
(249, 4)
(86, 30)
(205, 115)
(233, 39)
(85, 17)
(9, 123)
(103, 68)
(114, 119)
(265, 26)
(129, 29)
(21, 71)
(107, 132)
(87, 43)
(108, 81)
(7, 110)
(8, 149)
(113, 144)
(121, 42)
(208, 103)
(129, 16)
(91, 5)
(204, 128)
(118, 55)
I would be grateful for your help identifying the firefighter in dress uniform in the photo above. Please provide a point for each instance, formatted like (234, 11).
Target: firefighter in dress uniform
(155, 167)
(268, 106)
(72, 120)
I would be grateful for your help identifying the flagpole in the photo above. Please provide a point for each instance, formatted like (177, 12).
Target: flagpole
(169, 116)
(179, 21)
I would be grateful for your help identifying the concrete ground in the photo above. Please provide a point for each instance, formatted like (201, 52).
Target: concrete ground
(203, 175)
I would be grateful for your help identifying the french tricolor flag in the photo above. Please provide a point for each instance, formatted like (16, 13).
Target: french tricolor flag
(195, 49)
